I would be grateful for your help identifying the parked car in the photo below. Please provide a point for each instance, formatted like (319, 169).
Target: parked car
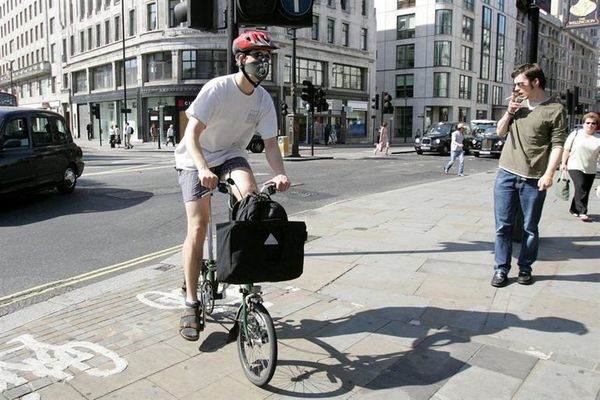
(256, 144)
(487, 143)
(438, 136)
(37, 151)
(480, 125)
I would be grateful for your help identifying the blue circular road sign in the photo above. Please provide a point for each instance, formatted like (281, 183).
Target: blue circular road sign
(296, 7)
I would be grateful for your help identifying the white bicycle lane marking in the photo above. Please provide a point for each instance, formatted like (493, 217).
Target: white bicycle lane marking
(50, 360)
(174, 299)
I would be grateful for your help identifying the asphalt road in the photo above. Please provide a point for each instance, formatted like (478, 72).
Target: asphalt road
(127, 212)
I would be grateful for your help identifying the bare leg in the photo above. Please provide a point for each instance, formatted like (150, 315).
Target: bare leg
(244, 182)
(193, 247)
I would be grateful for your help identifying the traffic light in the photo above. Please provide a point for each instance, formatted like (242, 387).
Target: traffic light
(284, 108)
(293, 14)
(375, 102)
(308, 94)
(387, 107)
(198, 14)
(95, 110)
(320, 100)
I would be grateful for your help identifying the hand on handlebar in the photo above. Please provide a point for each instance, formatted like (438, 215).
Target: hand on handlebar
(281, 182)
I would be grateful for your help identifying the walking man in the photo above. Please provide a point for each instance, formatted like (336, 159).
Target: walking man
(535, 127)
(127, 132)
(457, 150)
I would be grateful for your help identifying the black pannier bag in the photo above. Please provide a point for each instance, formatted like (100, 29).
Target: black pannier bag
(262, 247)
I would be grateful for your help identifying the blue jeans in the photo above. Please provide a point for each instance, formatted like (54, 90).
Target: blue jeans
(509, 190)
(454, 154)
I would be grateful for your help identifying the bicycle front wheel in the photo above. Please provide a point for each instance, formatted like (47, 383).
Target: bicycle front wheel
(257, 345)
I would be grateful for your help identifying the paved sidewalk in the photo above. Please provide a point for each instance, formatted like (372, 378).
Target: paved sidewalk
(395, 303)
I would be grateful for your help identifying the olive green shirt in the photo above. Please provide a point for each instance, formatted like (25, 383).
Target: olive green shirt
(532, 136)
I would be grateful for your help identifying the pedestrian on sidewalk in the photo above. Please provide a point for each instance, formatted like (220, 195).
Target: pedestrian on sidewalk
(113, 137)
(153, 132)
(535, 127)
(170, 136)
(384, 141)
(213, 149)
(90, 131)
(127, 132)
(118, 136)
(580, 159)
(457, 150)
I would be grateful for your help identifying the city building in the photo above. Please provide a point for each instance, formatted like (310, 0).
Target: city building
(132, 59)
(445, 60)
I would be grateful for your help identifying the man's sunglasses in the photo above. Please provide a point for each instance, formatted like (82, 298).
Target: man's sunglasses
(259, 55)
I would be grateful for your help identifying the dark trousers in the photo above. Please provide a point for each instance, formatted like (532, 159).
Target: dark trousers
(582, 185)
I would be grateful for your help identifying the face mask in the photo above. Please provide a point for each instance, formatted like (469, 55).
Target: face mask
(257, 70)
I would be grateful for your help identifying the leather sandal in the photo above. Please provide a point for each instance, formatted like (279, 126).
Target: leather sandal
(190, 324)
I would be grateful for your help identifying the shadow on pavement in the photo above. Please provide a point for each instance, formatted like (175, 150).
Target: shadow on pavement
(558, 248)
(429, 359)
(19, 210)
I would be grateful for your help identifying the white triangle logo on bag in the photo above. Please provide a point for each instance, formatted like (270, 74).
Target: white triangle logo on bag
(271, 240)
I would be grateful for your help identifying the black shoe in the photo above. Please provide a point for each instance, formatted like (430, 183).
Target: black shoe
(499, 279)
(525, 278)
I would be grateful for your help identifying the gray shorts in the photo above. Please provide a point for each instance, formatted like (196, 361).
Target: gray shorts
(192, 190)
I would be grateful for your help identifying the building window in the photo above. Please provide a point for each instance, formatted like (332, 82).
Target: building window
(466, 58)
(464, 87)
(442, 54)
(345, 33)
(305, 69)
(497, 97)
(102, 77)
(463, 114)
(363, 7)
(315, 28)
(132, 23)
(90, 39)
(80, 81)
(364, 36)
(131, 71)
(405, 56)
(467, 28)
(330, 30)
(441, 84)
(106, 32)
(172, 4)
(118, 27)
(500, 47)
(443, 22)
(159, 66)
(501, 5)
(81, 42)
(486, 43)
(51, 25)
(469, 5)
(151, 14)
(482, 93)
(405, 26)
(203, 64)
(405, 4)
(52, 51)
(98, 36)
(348, 77)
(405, 85)
(344, 5)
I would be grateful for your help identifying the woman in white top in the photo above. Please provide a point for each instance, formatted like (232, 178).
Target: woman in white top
(579, 158)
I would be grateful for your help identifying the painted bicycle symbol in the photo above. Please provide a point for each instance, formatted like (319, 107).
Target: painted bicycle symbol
(52, 361)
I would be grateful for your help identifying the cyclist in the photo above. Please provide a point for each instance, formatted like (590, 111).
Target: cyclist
(222, 119)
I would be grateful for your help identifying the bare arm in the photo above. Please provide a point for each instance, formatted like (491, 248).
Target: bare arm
(546, 180)
(193, 130)
(275, 161)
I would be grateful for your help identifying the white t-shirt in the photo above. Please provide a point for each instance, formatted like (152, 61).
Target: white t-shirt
(457, 137)
(231, 118)
(583, 155)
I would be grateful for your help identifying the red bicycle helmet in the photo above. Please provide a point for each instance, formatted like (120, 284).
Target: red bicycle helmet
(252, 40)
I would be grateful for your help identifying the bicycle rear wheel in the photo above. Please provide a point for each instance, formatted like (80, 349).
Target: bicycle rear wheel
(208, 300)
(257, 347)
